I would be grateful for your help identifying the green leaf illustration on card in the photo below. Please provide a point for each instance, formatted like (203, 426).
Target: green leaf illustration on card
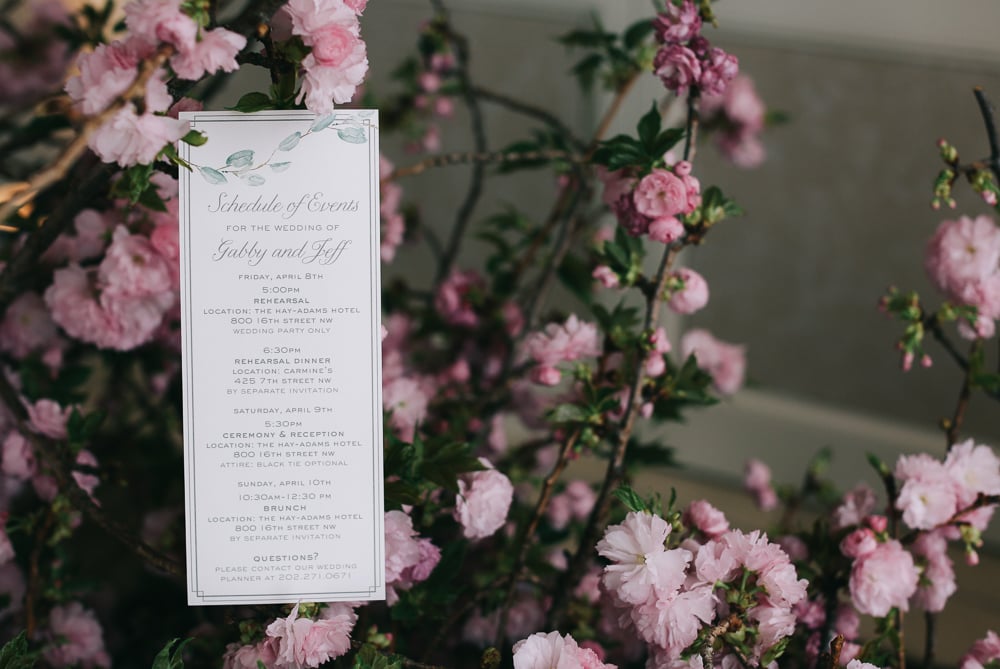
(212, 175)
(352, 134)
(323, 122)
(290, 142)
(279, 167)
(254, 180)
(239, 159)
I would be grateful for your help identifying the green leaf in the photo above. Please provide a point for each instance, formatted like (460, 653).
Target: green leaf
(370, 658)
(586, 70)
(568, 413)
(649, 128)
(279, 167)
(195, 138)
(240, 159)
(631, 499)
(665, 141)
(352, 134)
(15, 654)
(254, 180)
(322, 123)
(212, 175)
(290, 142)
(253, 102)
(588, 38)
(171, 659)
(637, 32)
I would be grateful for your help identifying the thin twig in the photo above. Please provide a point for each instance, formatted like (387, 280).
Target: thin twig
(986, 109)
(34, 575)
(930, 627)
(470, 157)
(954, 426)
(526, 109)
(472, 195)
(544, 497)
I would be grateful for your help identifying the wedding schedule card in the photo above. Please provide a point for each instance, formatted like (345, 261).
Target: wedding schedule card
(281, 358)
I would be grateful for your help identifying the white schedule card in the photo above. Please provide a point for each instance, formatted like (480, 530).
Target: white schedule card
(281, 358)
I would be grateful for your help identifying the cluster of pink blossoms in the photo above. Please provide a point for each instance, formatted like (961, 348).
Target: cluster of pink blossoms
(76, 638)
(338, 60)
(668, 596)
(963, 261)
(933, 497)
(121, 303)
(483, 500)
(983, 652)
(573, 340)
(725, 362)
(934, 493)
(297, 643)
(409, 559)
(431, 100)
(130, 137)
(685, 58)
(555, 651)
(651, 205)
(738, 118)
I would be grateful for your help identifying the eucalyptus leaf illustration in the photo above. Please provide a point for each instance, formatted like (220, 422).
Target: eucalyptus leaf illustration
(352, 134)
(365, 113)
(212, 175)
(254, 180)
(242, 158)
(290, 142)
(279, 167)
(323, 122)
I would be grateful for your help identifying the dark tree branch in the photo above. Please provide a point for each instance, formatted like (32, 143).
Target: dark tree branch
(464, 215)
(532, 111)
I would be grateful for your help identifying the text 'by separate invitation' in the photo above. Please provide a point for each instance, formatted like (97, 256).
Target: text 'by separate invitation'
(281, 358)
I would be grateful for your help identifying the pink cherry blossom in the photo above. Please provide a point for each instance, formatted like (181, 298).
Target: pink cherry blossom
(661, 194)
(554, 651)
(483, 499)
(928, 496)
(974, 469)
(407, 400)
(26, 326)
(677, 25)
(883, 579)
(48, 418)
(856, 504)
(718, 69)
(757, 481)
(311, 16)
(983, 652)
(215, 51)
(455, 298)
(574, 503)
(573, 340)
(642, 569)
(666, 229)
(76, 638)
(725, 362)
(937, 578)
(409, 559)
(678, 67)
(132, 267)
(706, 518)
(105, 73)
(673, 623)
(155, 21)
(18, 458)
(859, 543)
(130, 139)
(309, 643)
(606, 276)
(692, 293)
(963, 261)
